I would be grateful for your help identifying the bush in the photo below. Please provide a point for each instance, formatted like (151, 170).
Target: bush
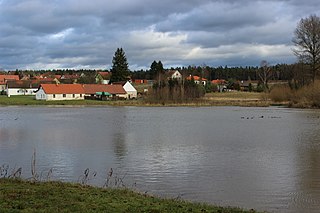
(280, 93)
(307, 96)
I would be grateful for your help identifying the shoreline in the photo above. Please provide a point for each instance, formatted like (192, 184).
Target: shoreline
(204, 102)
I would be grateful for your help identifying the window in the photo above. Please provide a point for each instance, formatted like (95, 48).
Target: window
(64, 95)
(80, 95)
(54, 95)
(73, 95)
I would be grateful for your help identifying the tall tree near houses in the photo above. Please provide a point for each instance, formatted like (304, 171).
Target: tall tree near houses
(120, 70)
(264, 73)
(153, 70)
(157, 71)
(307, 42)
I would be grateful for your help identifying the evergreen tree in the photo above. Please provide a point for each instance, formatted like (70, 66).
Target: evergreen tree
(120, 70)
(153, 70)
(156, 70)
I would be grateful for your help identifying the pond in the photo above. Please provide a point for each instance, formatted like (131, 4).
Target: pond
(262, 158)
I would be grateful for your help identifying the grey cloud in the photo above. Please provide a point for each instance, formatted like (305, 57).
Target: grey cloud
(73, 33)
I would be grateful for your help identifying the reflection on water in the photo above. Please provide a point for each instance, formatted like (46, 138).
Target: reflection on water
(263, 158)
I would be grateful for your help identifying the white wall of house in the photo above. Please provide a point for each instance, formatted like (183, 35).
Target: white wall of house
(202, 82)
(176, 75)
(131, 91)
(58, 97)
(105, 81)
(20, 91)
(41, 95)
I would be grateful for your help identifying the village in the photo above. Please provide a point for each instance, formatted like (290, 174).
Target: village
(50, 86)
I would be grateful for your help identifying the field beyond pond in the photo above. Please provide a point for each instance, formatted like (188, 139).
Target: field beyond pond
(210, 99)
(22, 196)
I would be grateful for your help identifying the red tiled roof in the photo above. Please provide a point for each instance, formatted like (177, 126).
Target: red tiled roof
(63, 88)
(4, 78)
(22, 84)
(104, 74)
(196, 78)
(112, 89)
(68, 76)
(218, 81)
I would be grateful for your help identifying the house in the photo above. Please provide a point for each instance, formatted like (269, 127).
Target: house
(69, 78)
(140, 81)
(51, 92)
(221, 84)
(21, 87)
(95, 90)
(103, 77)
(174, 75)
(4, 79)
(197, 79)
(130, 90)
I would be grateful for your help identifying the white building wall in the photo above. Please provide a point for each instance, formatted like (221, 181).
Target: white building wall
(131, 91)
(176, 75)
(41, 95)
(20, 91)
(60, 97)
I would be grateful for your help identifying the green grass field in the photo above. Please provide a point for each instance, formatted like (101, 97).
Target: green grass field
(30, 100)
(210, 99)
(21, 196)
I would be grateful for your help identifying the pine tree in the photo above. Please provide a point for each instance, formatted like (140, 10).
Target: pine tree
(120, 70)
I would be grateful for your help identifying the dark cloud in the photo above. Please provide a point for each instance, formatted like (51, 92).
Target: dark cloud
(40, 34)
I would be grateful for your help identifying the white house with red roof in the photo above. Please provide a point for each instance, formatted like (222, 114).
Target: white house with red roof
(175, 75)
(5, 78)
(52, 92)
(197, 79)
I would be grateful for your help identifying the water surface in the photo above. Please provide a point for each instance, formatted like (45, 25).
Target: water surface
(262, 158)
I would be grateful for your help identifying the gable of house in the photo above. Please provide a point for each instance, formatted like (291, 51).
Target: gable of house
(103, 77)
(174, 74)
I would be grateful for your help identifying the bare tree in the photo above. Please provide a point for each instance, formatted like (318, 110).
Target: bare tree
(307, 42)
(264, 73)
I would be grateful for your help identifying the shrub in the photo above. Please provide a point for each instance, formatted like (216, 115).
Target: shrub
(307, 96)
(280, 93)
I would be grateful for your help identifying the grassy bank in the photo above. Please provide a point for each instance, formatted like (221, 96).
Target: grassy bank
(210, 99)
(22, 196)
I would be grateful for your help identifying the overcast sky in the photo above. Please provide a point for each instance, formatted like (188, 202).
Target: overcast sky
(51, 34)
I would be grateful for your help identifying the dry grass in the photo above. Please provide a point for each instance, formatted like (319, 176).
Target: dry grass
(234, 96)
(237, 98)
(280, 93)
(305, 97)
